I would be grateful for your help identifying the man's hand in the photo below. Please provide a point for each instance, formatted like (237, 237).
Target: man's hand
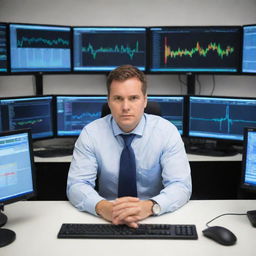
(130, 210)
(104, 208)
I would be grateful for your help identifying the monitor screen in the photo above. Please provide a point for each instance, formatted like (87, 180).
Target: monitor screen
(220, 117)
(104, 48)
(3, 48)
(28, 112)
(195, 49)
(172, 108)
(16, 169)
(74, 112)
(249, 159)
(249, 49)
(40, 48)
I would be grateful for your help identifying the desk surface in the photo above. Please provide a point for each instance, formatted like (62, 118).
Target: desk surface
(37, 223)
(191, 158)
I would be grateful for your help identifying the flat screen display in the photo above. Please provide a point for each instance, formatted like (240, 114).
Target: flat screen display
(3, 48)
(172, 109)
(40, 48)
(220, 117)
(249, 159)
(74, 112)
(16, 168)
(105, 48)
(35, 113)
(249, 49)
(195, 49)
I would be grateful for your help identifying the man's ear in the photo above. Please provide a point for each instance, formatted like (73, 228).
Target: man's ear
(146, 101)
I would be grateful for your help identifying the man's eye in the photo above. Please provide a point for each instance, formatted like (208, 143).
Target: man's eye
(117, 98)
(134, 97)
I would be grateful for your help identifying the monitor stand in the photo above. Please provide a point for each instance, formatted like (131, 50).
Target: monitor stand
(3, 219)
(210, 148)
(6, 236)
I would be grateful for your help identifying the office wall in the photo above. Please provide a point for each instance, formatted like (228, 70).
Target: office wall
(134, 13)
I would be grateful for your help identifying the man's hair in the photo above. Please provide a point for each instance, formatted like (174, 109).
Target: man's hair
(125, 72)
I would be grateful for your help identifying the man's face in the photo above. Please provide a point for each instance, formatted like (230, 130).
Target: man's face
(127, 102)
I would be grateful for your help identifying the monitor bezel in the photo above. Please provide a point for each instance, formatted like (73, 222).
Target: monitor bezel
(205, 138)
(237, 72)
(56, 110)
(52, 105)
(243, 184)
(109, 27)
(31, 193)
(33, 72)
(242, 51)
(7, 37)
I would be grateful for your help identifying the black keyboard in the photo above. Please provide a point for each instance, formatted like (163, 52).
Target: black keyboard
(144, 231)
(53, 152)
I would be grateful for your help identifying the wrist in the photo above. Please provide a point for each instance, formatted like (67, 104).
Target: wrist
(155, 209)
(101, 207)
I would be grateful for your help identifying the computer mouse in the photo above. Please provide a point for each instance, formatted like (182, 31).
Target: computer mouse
(220, 235)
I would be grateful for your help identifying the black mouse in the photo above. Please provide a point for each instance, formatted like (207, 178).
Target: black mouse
(220, 235)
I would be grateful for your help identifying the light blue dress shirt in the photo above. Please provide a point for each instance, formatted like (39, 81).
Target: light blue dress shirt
(162, 167)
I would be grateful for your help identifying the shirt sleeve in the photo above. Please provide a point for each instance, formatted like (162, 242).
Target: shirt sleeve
(82, 176)
(176, 175)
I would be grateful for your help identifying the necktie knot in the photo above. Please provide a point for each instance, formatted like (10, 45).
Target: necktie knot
(128, 139)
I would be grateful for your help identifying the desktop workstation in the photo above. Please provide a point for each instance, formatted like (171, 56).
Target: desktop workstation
(162, 219)
(48, 216)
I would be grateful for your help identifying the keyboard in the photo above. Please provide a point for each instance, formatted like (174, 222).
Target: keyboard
(252, 217)
(144, 231)
(53, 152)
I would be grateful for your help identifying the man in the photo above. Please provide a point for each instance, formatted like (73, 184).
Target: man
(162, 182)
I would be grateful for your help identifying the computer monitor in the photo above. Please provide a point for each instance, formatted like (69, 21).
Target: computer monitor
(249, 159)
(74, 112)
(34, 112)
(172, 109)
(3, 49)
(222, 119)
(101, 49)
(17, 180)
(40, 48)
(214, 49)
(249, 49)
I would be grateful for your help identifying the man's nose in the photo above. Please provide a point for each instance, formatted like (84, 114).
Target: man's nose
(126, 105)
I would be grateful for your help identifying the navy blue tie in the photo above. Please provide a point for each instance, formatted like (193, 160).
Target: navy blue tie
(127, 173)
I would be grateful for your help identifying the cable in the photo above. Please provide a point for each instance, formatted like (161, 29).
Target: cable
(213, 87)
(223, 215)
(181, 83)
(199, 84)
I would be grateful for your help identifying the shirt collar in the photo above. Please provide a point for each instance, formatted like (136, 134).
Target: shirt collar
(138, 129)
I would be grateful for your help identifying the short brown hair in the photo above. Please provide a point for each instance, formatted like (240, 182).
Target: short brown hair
(125, 72)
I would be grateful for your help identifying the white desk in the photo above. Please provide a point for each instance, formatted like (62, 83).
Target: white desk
(37, 223)
(191, 158)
